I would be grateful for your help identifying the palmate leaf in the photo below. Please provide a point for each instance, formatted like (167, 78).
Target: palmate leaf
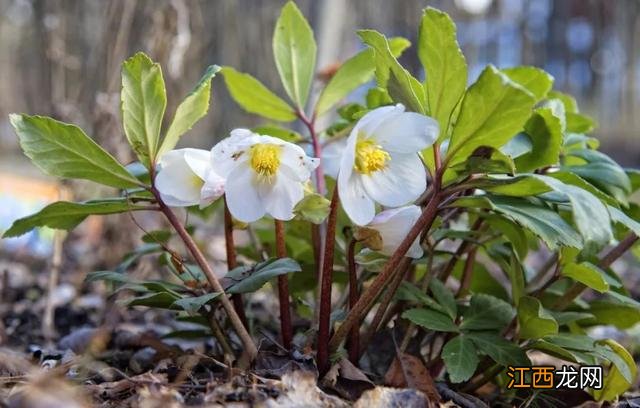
(444, 64)
(64, 150)
(486, 312)
(539, 219)
(535, 322)
(460, 357)
(66, 215)
(294, 49)
(143, 101)
(254, 97)
(192, 109)
(493, 110)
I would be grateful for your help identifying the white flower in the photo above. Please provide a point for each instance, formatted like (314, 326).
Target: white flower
(264, 174)
(332, 156)
(186, 178)
(381, 162)
(393, 226)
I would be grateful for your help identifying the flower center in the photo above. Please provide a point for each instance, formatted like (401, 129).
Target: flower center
(370, 157)
(265, 159)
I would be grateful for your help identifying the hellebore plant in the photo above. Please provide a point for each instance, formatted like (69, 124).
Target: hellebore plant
(449, 192)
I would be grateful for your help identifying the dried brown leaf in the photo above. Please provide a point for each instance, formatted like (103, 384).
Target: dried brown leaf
(407, 371)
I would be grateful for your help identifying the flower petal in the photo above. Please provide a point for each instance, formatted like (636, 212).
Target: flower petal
(178, 185)
(280, 196)
(332, 156)
(408, 132)
(231, 151)
(242, 196)
(212, 189)
(394, 225)
(198, 161)
(355, 201)
(295, 162)
(404, 179)
(370, 122)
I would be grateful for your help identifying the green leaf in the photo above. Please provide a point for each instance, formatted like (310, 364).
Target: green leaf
(191, 110)
(545, 130)
(615, 383)
(402, 87)
(588, 274)
(575, 180)
(108, 276)
(493, 110)
(431, 320)
(444, 297)
(572, 341)
(67, 215)
(193, 304)
(534, 80)
(577, 123)
(569, 102)
(356, 71)
(412, 293)
(486, 312)
(620, 217)
(313, 208)
(64, 150)
(589, 213)
(294, 50)
(540, 220)
(254, 97)
(518, 186)
(535, 322)
(460, 357)
(511, 231)
(163, 300)
(143, 101)
(157, 236)
(250, 279)
(619, 315)
(482, 281)
(444, 64)
(500, 350)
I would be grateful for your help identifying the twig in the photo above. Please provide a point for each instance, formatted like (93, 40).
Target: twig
(464, 246)
(283, 289)
(218, 333)
(467, 273)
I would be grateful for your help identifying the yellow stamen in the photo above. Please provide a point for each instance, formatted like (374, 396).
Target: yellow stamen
(370, 157)
(265, 159)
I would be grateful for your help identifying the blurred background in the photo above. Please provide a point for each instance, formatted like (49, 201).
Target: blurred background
(62, 58)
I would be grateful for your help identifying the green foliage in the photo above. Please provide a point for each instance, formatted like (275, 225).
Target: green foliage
(444, 64)
(492, 111)
(254, 97)
(64, 150)
(251, 278)
(66, 215)
(143, 101)
(192, 109)
(294, 49)
(460, 357)
(535, 322)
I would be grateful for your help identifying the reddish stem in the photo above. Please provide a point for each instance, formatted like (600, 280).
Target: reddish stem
(354, 338)
(247, 341)
(286, 328)
(310, 124)
(232, 262)
(365, 301)
(325, 287)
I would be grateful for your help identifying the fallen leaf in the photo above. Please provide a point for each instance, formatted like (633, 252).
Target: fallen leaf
(299, 390)
(407, 371)
(347, 380)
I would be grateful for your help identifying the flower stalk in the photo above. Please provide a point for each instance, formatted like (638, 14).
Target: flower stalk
(249, 346)
(353, 344)
(325, 287)
(232, 261)
(283, 289)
